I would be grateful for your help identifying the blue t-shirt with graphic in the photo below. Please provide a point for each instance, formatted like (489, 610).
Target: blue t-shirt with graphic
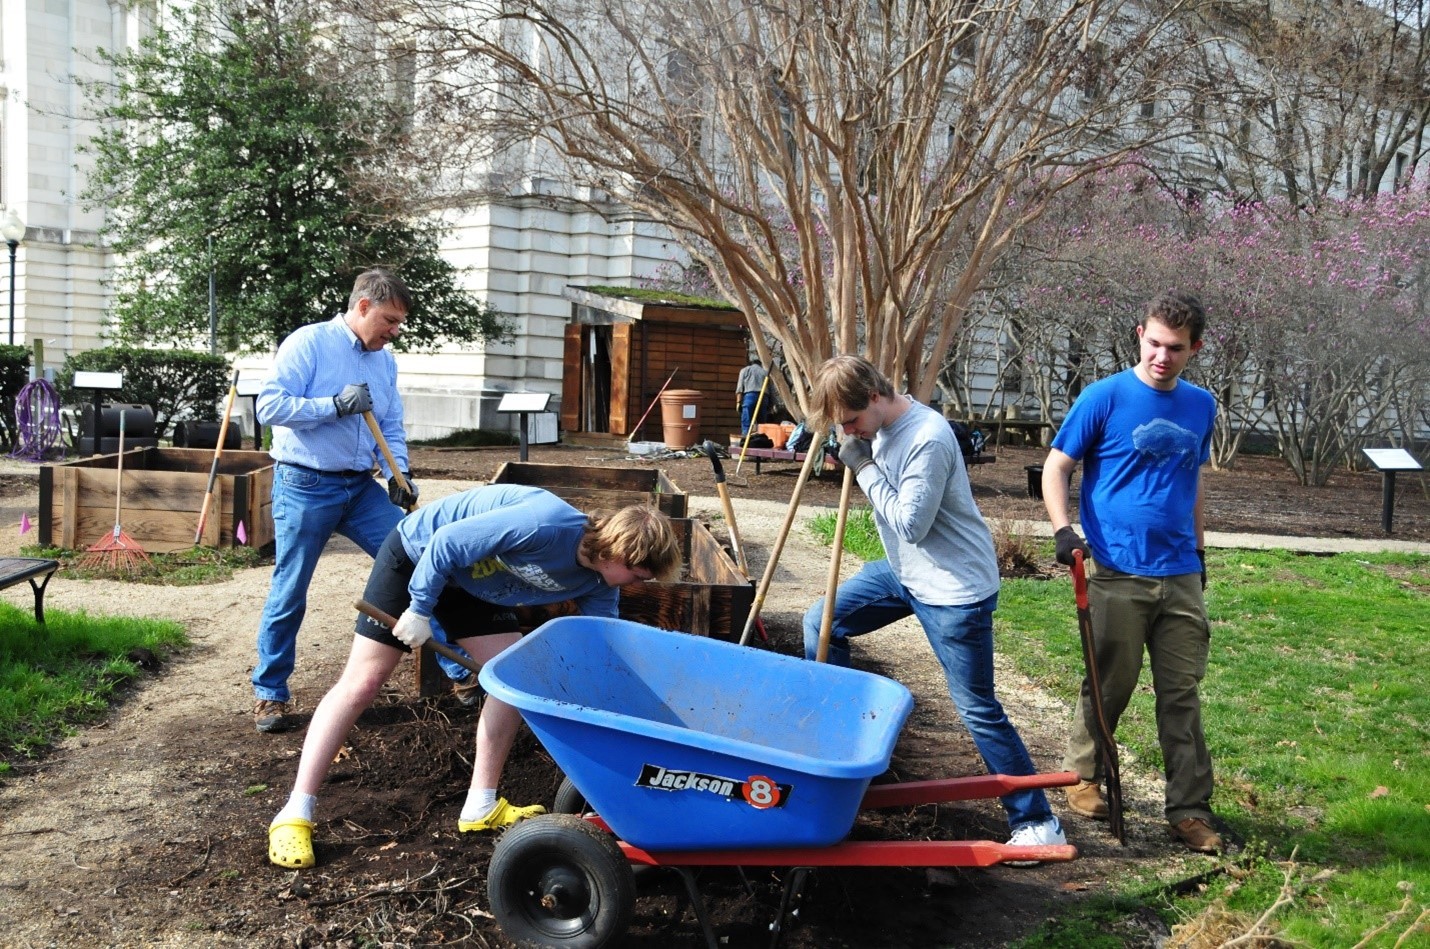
(513, 545)
(1141, 451)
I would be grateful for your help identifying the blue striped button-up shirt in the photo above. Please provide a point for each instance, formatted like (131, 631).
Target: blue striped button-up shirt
(313, 365)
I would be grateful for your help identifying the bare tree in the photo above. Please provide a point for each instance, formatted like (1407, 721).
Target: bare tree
(1307, 99)
(850, 170)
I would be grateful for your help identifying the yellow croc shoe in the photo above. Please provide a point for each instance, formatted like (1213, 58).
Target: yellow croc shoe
(501, 815)
(290, 843)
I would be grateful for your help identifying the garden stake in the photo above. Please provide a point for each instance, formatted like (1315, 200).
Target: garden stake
(1106, 744)
(826, 624)
(218, 453)
(769, 574)
(387, 453)
(117, 551)
(461, 659)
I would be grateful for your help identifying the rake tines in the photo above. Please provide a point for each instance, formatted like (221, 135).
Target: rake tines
(117, 551)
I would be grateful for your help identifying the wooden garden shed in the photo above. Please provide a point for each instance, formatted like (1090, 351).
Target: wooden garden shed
(622, 346)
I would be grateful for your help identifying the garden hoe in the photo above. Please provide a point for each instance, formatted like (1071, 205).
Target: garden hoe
(117, 551)
(826, 624)
(1106, 744)
(387, 454)
(439, 647)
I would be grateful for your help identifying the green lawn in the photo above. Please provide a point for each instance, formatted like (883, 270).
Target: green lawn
(56, 675)
(1317, 713)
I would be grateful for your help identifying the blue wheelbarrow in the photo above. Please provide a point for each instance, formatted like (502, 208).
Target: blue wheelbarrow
(681, 751)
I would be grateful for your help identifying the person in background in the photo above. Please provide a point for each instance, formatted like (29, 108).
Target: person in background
(1142, 436)
(747, 393)
(325, 376)
(940, 565)
(468, 561)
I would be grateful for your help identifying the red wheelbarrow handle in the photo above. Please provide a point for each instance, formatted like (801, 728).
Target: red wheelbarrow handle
(858, 853)
(913, 793)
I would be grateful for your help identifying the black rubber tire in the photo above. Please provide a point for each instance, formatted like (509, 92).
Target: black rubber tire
(568, 799)
(559, 881)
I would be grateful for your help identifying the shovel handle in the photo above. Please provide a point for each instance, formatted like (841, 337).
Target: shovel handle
(441, 648)
(386, 453)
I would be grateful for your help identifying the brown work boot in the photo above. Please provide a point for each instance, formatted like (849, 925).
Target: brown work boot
(1085, 799)
(271, 716)
(1197, 833)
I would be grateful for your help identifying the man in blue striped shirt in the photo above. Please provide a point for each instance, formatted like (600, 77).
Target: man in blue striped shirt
(326, 375)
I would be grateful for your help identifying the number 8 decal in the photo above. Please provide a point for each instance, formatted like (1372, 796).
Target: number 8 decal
(760, 791)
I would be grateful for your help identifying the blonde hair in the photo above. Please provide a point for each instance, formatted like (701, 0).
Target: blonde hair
(846, 384)
(640, 537)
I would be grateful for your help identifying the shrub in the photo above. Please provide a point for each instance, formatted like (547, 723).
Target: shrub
(177, 384)
(14, 373)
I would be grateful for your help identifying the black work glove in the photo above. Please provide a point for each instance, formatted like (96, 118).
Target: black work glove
(855, 453)
(353, 400)
(1067, 541)
(1202, 556)
(403, 499)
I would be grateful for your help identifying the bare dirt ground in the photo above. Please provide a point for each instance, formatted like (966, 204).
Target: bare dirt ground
(148, 829)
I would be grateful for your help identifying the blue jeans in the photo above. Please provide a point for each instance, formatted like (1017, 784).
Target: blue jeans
(308, 508)
(747, 410)
(962, 639)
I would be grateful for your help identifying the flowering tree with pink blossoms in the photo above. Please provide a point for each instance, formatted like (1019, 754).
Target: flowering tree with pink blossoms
(1317, 322)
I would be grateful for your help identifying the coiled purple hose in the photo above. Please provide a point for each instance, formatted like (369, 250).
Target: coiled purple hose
(37, 412)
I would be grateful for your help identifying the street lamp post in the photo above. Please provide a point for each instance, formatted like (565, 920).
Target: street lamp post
(13, 230)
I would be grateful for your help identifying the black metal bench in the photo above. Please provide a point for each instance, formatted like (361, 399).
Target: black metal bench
(15, 569)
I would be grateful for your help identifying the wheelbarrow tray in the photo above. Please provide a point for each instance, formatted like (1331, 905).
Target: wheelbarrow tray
(687, 743)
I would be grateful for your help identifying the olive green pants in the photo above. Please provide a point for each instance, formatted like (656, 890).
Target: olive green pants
(1166, 616)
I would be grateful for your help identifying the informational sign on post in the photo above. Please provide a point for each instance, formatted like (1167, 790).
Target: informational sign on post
(1388, 461)
(523, 403)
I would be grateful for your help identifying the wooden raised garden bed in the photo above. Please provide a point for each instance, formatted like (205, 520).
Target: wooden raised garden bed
(590, 489)
(163, 489)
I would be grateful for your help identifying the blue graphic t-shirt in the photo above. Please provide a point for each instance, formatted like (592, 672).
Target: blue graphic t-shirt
(513, 545)
(1141, 451)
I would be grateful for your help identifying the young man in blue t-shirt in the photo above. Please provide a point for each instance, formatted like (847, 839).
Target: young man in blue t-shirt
(1142, 436)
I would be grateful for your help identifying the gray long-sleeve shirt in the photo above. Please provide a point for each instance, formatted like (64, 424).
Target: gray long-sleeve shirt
(937, 541)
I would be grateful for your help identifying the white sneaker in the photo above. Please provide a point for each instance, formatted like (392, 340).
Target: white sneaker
(1044, 834)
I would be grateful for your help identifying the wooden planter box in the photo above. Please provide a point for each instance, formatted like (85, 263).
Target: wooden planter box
(163, 489)
(590, 489)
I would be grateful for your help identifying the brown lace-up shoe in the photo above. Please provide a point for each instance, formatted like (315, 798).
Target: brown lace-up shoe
(271, 716)
(1085, 799)
(1197, 834)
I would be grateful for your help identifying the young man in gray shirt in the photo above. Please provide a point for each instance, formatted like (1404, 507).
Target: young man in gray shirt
(940, 564)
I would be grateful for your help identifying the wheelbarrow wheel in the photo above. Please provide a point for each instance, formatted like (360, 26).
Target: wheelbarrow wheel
(568, 799)
(560, 881)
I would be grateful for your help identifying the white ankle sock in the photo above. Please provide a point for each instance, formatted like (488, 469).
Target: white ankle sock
(299, 805)
(480, 802)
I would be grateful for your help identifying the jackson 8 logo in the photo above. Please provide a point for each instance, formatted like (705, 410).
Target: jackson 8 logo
(758, 791)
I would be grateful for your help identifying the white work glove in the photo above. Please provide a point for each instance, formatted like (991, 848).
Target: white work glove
(412, 629)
